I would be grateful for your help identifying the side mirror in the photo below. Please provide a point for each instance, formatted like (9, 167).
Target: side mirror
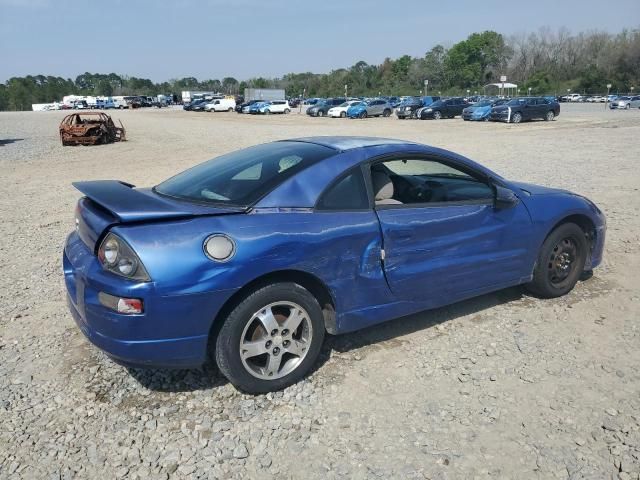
(505, 198)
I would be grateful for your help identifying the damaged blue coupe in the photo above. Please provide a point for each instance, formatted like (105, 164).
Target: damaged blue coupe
(253, 256)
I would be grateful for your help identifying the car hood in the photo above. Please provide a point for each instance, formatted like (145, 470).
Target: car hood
(538, 189)
(128, 204)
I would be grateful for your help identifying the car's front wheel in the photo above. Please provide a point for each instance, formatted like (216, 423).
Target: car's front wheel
(437, 115)
(560, 262)
(271, 339)
(343, 114)
(517, 118)
(550, 116)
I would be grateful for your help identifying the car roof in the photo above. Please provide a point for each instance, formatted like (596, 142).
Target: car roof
(344, 143)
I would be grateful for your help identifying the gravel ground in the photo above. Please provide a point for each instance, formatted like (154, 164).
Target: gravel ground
(501, 386)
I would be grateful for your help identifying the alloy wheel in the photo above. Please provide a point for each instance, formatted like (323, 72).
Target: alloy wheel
(275, 340)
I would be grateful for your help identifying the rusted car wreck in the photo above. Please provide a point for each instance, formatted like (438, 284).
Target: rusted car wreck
(90, 128)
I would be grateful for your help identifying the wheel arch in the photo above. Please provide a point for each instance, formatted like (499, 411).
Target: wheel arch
(585, 223)
(312, 283)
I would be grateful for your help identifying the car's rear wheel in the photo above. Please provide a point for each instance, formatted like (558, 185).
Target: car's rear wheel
(271, 339)
(560, 262)
(343, 114)
(386, 113)
(517, 118)
(437, 115)
(267, 111)
(627, 106)
(550, 116)
(363, 115)
(230, 109)
(286, 110)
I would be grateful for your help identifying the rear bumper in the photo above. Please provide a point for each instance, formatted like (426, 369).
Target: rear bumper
(172, 332)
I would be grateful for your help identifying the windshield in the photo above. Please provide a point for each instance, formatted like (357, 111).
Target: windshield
(241, 178)
(484, 103)
(411, 101)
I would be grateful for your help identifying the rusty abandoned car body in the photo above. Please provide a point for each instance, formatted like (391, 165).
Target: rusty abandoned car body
(90, 128)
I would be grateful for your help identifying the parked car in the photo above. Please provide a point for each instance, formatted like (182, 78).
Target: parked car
(481, 110)
(90, 128)
(189, 106)
(574, 97)
(80, 105)
(341, 110)
(199, 106)
(254, 109)
(294, 102)
(275, 106)
(408, 107)
(321, 107)
(626, 102)
(449, 108)
(426, 102)
(525, 108)
(221, 105)
(370, 108)
(382, 229)
(241, 106)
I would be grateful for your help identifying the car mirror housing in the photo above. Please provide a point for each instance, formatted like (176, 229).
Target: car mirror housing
(505, 198)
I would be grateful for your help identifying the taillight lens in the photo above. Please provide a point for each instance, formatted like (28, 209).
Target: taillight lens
(116, 256)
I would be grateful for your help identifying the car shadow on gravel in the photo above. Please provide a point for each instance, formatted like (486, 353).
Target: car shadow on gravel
(9, 141)
(209, 377)
(165, 380)
(378, 334)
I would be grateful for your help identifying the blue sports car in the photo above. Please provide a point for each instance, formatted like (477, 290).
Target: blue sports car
(255, 255)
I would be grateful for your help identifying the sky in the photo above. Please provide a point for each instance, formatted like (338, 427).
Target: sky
(210, 39)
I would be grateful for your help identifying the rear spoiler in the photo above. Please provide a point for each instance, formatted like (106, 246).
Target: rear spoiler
(128, 204)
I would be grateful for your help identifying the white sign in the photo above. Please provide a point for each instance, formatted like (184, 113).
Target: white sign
(608, 85)
(426, 82)
(503, 78)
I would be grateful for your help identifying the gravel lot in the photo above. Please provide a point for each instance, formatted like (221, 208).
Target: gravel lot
(502, 386)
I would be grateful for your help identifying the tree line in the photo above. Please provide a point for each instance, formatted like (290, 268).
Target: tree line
(548, 62)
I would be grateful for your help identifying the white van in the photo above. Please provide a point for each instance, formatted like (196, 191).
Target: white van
(221, 105)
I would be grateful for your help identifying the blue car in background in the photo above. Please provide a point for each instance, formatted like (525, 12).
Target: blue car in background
(370, 108)
(481, 110)
(255, 255)
(254, 108)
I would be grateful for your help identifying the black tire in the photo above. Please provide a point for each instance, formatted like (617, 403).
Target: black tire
(227, 347)
(516, 118)
(363, 114)
(343, 114)
(386, 113)
(437, 115)
(549, 280)
(550, 116)
(286, 111)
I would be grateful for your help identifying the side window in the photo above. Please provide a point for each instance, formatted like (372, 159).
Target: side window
(349, 193)
(421, 181)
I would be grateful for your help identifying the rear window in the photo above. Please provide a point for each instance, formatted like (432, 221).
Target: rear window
(241, 178)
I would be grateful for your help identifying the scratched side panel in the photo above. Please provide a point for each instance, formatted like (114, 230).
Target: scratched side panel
(342, 249)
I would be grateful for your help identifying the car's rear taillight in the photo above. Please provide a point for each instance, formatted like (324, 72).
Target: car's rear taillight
(116, 256)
